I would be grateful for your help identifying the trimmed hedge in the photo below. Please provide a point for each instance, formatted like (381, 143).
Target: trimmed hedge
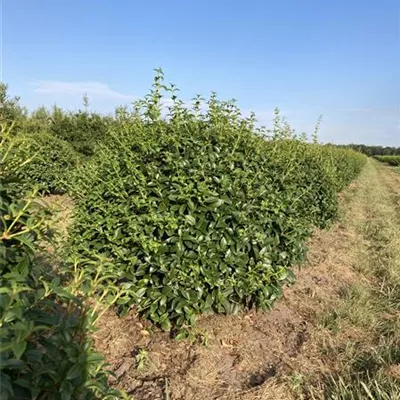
(200, 213)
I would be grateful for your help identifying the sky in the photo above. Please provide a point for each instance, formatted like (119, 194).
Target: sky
(337, 58)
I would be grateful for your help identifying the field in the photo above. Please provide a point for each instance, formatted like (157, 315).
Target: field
(201, 256)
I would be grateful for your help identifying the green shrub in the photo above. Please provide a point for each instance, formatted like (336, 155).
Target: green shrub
(199, 212)
(10, 109)
(52, 161)
(38, 121)
(82, 130)
(45, 349)
(391, 160)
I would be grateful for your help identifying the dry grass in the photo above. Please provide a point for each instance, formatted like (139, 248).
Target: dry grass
(361, 331)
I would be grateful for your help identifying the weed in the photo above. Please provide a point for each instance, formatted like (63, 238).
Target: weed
(142, 358)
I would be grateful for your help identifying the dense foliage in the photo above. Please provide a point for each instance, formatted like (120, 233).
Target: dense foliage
(391, 160)
(10, 109)
(375, 150)
(82, 130)
(179, 211)
(52, 160)
(45, 349)
(199, 211)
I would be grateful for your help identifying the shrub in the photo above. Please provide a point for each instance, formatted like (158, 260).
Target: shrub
(10, 109)
(82, 130)
(45, 350)
(201, 213)
(37, 122)
(391, 160)
(52, 161)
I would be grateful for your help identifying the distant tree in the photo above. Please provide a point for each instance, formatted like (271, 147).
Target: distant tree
(10, 109)
(38, 121)
(374, 150)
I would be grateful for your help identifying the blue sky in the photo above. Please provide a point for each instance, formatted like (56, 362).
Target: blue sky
(338, 58)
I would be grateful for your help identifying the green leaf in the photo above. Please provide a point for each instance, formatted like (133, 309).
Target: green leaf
(165, 324)
(190, 220)
(140, 292)
(12, 363)
(75, 371)
(6, 388)
(95, 358)
(66, 390)
(18, 348)
(181, 335)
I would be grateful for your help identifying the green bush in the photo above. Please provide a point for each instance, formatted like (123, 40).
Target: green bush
(199, 211)
(38, 121)
(10, 109)
(83, 130)
(45, 348)
(391, 160)
(52, 161)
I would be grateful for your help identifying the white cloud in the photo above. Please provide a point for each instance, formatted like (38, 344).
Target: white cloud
(94, 90)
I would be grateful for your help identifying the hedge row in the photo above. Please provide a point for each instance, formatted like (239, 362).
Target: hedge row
(81, 129)
(46, 350)
(199, 212)
(391, 160)
(51, 160)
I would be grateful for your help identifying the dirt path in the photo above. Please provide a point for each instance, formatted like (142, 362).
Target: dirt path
(305, 347)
